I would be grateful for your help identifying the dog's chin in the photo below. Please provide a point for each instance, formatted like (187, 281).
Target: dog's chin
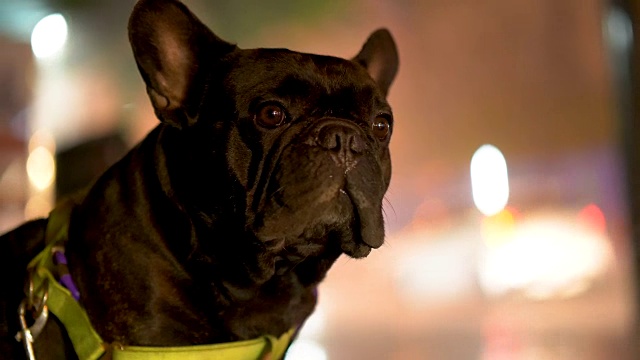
(356, 250)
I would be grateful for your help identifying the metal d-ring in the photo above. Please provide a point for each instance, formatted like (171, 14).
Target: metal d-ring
(32, 302)
(39, 314)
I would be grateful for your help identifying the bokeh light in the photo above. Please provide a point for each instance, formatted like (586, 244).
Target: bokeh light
(489, 180)
(41, 168)
(49, 36)
(306, 350)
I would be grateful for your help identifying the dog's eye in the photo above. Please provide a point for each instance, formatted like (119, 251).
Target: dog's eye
(381, 127)
(270, 115)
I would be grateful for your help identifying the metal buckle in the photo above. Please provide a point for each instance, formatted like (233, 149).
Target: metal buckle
(39, 314)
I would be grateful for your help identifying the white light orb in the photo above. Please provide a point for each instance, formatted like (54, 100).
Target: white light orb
(489, 180)
(49, 36)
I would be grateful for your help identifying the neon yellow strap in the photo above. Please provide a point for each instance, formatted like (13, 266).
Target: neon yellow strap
(266, 347)
(89, 346)
(86, 342)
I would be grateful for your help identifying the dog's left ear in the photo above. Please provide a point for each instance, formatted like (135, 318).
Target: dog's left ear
(379, 56)
(175, 53)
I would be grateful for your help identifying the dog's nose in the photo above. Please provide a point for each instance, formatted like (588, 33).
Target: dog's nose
(343, 141)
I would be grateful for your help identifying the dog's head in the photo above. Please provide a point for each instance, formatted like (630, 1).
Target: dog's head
(304, 138)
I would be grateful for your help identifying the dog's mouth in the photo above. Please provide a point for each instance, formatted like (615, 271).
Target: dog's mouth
(317, 202)
(341, 221)
(360, 246)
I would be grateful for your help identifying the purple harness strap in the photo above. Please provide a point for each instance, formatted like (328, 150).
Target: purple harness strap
(64, 277)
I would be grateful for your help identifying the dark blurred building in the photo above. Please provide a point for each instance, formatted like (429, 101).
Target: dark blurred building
(77, 167)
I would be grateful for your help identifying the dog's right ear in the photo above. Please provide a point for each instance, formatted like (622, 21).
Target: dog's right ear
(174, 52)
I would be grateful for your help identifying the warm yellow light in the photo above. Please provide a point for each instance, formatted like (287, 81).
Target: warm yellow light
(489, 180)
(37, 206)
(548, 255)
(499, 228)
(41, 168)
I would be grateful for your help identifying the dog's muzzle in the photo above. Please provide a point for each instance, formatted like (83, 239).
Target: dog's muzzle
(327, 177)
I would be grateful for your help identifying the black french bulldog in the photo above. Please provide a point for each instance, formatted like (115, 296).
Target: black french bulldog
(267, 165)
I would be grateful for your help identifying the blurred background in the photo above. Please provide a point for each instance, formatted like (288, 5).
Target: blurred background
(512, 211)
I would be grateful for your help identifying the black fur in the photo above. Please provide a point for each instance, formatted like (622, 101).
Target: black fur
(218, 226)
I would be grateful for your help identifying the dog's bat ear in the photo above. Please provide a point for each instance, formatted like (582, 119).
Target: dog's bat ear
(379, 56)
(174, 52)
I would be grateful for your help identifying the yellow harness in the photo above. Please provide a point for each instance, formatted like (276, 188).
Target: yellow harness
(87, 343)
